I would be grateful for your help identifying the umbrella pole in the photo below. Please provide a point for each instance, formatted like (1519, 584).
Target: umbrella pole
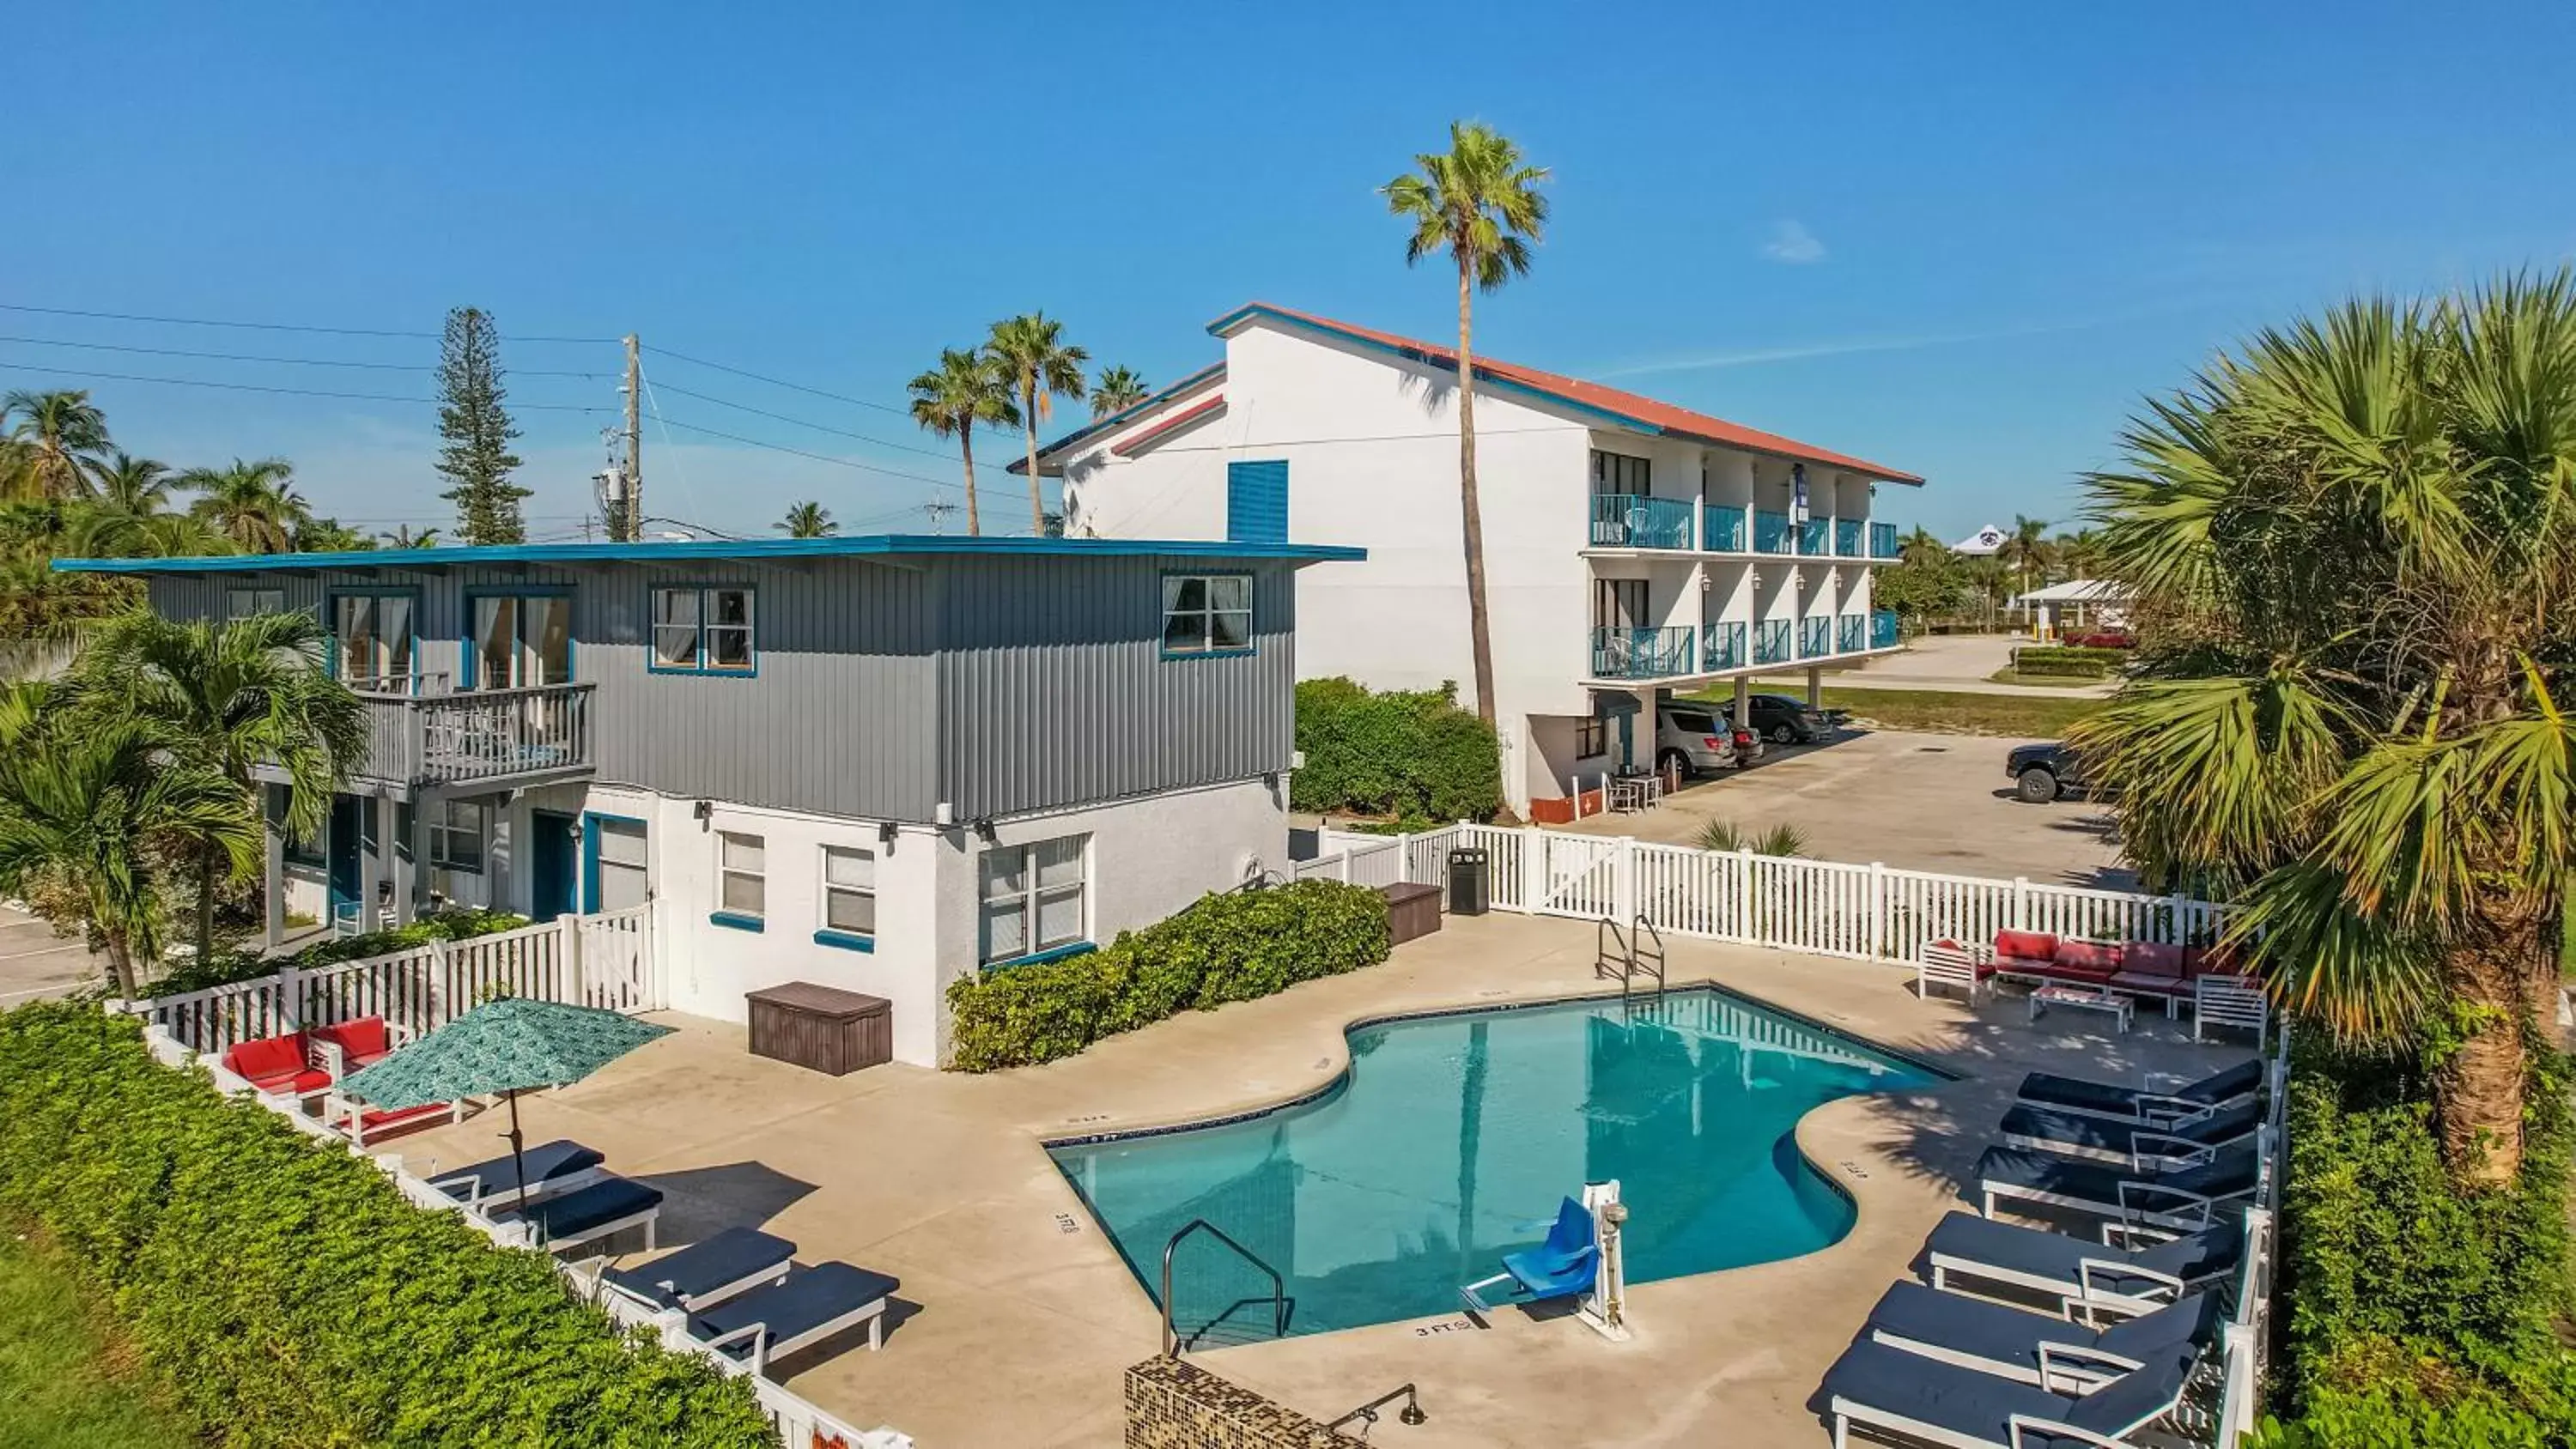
(518, 1163)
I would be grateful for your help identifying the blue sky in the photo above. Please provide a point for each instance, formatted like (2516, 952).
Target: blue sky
(1962, 240)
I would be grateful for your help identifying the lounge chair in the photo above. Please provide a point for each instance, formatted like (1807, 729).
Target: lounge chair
(810, 1305)
(1903, 1393)
(2179, 1196)
(2143, 1104)
(703, 1274)
(2088, 1279)
(2072, 1134)
(553, 1167)
(2030, 1348)
(1566, 1263)
(610, 1205)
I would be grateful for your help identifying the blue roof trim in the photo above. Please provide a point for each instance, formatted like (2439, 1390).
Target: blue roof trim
(877, 545)
(1210, 372)
(1484, 380)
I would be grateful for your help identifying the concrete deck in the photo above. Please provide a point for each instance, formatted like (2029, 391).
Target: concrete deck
(1016, 1314)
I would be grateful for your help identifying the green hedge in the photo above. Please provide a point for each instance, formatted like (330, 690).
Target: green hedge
(1231, 947)
(289, 1297)
(2072, 661)
(2413, 1313)
(1403, 752)
(227, 967)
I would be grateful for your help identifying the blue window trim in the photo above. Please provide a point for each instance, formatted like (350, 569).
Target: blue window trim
(469, 650)
(845, 940)
(590, 820)
(331, 596)
(1251, 617)
(1040, 958)
(652, 657)
(737, 921)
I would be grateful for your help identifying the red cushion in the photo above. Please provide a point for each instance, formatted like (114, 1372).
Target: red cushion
(374, 1121)
(2148, 985)
(268, 1057)
(2026, 945)
(2078, 971)
(2211, 961)
(2147, 958)
(2088, 956)
(364, 1040)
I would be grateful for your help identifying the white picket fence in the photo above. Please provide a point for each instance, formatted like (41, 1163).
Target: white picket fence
(1826, 908)
(603, 960)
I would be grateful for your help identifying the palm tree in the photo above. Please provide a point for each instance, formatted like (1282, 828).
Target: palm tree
(2358, 528)
(139, 486)
(403, 535)
(253, 504)
(1034, 358)
(1116, 390)
(808, 520)
(2078, 554)
(1923, 548)
(64, 435)
(1480, 204)
(102, 531)
(966, 391)
(225, 698)
(2025, 548)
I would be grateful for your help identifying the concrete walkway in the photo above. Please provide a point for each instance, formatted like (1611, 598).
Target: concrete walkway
(1016, 1314)
(1956, 664)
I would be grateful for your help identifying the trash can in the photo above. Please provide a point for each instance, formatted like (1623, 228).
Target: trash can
(1471, 886)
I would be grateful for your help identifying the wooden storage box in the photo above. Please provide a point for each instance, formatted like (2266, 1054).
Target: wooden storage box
(822, 1027)
(1411, 910)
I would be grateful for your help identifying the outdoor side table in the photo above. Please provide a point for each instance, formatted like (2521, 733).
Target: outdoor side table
(821, 1027)
(2118, 1008)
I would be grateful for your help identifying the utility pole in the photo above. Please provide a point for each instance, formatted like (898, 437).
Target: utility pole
(633, 523)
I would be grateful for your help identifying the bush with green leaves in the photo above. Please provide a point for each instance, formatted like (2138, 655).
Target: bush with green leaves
(2072, 661)
(227, 967)
(1397, 752)
(1230, 947)
(287, 1296)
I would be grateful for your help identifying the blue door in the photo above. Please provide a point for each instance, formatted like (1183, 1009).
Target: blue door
(1256, 502)
(554, 883)
(348, 825)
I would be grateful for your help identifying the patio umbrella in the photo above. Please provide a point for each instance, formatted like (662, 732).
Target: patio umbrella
(508, 1046)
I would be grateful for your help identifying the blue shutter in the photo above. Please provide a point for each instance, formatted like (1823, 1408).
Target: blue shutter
(1256, 502)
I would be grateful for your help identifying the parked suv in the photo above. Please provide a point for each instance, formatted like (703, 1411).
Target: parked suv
(1693, 741)
(2042, 773)
(1784, 720)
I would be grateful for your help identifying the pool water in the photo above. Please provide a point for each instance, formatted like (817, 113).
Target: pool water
(1452, 1140)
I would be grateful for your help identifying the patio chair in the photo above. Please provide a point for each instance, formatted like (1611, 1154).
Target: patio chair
(2144, 1103)
(559, 1166)
(277, 1067)
(704, 1274)
(2088, 1279)
(2182, 1196)
(1947, 963)
(1565, 1264)
(349, 1046)
(808, 1306)
(2072, 1134)
(1903, 1393)
(610, 1205)
(2030, 1348)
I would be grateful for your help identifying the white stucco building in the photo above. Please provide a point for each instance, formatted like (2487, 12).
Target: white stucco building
(1631, 547)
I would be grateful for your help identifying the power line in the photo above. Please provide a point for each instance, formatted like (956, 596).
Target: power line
(296, 361)
(271, 326)
(801, 453)
(859, 402)
(804, 423)
(289, 391)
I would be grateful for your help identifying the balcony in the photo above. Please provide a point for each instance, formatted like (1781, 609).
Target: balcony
(1847, 534)
(1882, 629)
(1851, 633)
(1721, 646)
(1770, 532)
(1633, 520)
(1645, 653)
(1882, 541)
(421, 735)
(1721, 528)
(1815, 537)
(1771, 642)
(1815, 637)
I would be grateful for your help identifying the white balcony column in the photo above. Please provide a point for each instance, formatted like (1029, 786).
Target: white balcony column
(407, 866)
(1815, 688)
(273, 878)
(1743, 703)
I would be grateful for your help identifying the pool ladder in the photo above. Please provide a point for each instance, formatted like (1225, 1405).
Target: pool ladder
(1281, 1305)
(1626, 955)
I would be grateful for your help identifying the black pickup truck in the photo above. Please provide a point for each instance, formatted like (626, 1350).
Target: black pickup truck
(2042, 773)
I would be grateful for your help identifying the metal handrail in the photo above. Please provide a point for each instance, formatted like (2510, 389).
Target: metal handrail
(1646, 928)
(1601, 955)
(1366, 1414)
(1278, 1285)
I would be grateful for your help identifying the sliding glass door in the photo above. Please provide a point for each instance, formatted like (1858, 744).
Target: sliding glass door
(374, 648)
(522, 640)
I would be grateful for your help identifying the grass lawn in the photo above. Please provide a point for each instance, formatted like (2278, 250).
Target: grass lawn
(62, 1386)
(1936, 711)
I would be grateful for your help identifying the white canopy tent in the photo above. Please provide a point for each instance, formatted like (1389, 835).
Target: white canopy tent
(2077, 601)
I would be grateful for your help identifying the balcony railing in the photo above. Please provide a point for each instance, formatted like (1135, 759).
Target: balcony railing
(1882, 629)
(1851, 633)
(1771, 642)
(1847, 535)
(1771, 532)
(1721, 528)
(1721, 646)
(1815, 537)
(1645, 653)
(1882, 541)
(1633, 520)
(446, 739)
(1815, 637)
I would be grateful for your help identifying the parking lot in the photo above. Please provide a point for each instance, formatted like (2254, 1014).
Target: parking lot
(1922, 801)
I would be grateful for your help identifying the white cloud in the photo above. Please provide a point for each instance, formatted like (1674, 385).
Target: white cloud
(1792, 243)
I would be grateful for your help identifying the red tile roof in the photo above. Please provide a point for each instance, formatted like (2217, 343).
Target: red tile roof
(1644, 412)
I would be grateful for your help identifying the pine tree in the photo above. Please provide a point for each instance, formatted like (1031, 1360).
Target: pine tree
(476, 456)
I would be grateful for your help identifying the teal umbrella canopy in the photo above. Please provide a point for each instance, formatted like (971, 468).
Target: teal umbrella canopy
(501, 1047)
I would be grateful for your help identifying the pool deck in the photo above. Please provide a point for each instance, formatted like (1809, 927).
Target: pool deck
(1016, 1315)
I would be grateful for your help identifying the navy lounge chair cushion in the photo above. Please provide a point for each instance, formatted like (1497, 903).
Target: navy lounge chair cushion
(2137, 1398)
(2048, 1089)
(2234, 1171)
(2101, 1133)
(1961, 1400)
(2055, 1257)
(546, 1162)
(575, 1214)
(810, 1298)
(728, 1257)
(2012, 1336)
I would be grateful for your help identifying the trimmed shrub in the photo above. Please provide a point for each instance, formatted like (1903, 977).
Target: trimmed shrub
(227, 967)
(2072, 661)
(288, 1296)
(1231, 947)
(1402, 752)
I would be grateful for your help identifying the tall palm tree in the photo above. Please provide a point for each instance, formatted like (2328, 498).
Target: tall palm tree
(1116, 390)
(2077, 554)
(102, 531)
(253, 504)
(403, 535)
(966, 391)
(225, 698)
(2358, 526)
(2025, 549)
(134, 485)
(1039, 365)
(808, 519)
(1478, 202)
(1922, 547)
(65, 436)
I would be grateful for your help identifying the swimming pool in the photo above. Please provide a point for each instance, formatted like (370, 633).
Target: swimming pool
(1453, 1137)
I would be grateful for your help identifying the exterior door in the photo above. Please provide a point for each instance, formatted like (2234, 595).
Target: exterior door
(617, 872)
(554, 884)
(340, 848)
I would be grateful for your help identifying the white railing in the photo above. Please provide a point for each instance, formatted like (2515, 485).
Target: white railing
(603, 960)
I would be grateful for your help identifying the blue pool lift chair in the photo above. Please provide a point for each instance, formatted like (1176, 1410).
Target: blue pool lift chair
(1566, 1264)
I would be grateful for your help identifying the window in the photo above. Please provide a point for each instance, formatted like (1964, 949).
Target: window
(249, 603)
(1591, 738)
(373, 633)
(849, 896)
(704, 630)
(454, 834)
(1619, 473)
(1034, 897)
(742, 884)
(1206, 613)
(520, 641)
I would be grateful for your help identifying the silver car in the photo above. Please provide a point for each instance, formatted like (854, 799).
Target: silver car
(1692, 741)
